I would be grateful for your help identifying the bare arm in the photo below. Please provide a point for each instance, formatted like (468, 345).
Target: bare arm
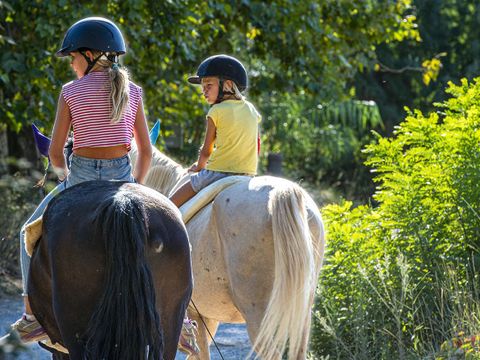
(259, 142)
(59, 136)
(140, 131)
(207, 147)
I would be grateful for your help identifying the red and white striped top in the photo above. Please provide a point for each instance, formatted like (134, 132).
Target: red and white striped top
(89, 102)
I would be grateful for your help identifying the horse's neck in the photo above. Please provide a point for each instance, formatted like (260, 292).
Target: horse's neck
(165, 179)
(164, 173)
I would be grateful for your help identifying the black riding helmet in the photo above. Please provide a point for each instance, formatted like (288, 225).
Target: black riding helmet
(93, 33)
(224, 67)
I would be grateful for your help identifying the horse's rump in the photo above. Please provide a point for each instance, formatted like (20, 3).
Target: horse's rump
(100, 240)
(242, 245)
(239, 277)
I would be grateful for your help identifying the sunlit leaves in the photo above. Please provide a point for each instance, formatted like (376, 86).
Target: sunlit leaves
(300, 43)
(392, 263)
(450, 29)
(298, 54)
(252, 33)
(431, 69)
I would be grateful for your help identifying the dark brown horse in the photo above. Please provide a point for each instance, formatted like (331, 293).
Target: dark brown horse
(111, 276)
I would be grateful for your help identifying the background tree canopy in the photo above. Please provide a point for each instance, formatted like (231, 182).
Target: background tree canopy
(450, 31)
(298, 54)
(400, 278)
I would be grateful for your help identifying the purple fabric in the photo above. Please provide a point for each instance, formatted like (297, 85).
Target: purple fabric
(42, 142)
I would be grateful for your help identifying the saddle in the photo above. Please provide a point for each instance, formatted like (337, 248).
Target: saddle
(33, 231)
(207, 194)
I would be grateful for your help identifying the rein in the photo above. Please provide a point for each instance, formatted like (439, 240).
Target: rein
(190, 209)
(206, 327)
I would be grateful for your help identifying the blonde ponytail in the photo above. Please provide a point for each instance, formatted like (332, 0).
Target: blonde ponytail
(119, 92)
(119, 86)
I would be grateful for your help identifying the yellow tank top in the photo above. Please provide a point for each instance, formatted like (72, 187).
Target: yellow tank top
(236, 137)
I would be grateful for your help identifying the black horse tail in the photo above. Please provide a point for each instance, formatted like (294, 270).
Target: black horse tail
(125, 323)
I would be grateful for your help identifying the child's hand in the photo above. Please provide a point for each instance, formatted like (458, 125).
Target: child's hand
(194, 168)
(60, 172)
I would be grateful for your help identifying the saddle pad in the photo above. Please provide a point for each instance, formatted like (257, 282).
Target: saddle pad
(207, 194)
(33, 231)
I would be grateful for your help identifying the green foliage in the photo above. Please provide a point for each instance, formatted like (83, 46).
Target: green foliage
(461, 347)
(18, 197)
(400, 279)
(325, 139)
(295, 51)
(450, 32)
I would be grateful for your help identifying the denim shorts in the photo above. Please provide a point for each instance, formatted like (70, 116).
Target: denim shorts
(205, 177)
(85, 169)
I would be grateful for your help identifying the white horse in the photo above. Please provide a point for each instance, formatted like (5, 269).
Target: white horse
(257, 250)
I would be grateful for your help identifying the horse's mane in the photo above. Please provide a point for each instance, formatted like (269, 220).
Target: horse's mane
(164, 173)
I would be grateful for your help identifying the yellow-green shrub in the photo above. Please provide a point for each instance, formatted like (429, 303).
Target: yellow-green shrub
(396, 274)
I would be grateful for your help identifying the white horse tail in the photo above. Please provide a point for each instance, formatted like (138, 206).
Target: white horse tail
(298, 257)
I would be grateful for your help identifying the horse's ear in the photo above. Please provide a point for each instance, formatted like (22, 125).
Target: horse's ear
(41, 141)
(155, 132)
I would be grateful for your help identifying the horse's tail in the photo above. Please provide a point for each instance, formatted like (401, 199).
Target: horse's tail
(125, 323)
(298, 257)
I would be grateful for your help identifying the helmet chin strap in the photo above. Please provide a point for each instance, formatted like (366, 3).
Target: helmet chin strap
(91, 63)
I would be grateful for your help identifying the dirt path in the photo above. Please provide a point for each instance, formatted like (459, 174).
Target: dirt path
(232, 339)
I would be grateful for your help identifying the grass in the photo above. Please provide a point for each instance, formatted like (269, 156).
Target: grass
(408, 323)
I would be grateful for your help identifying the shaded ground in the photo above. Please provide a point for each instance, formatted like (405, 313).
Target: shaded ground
(232, 339)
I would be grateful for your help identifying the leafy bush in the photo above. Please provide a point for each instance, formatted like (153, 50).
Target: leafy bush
(321, 143)
(19, 198)
(400, 278)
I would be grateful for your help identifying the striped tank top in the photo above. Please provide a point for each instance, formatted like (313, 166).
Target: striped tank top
(88, 99)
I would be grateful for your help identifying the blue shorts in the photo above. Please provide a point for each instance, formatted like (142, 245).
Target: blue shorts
(85, 169)
(205, 177)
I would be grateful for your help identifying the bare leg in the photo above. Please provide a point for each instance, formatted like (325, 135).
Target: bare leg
(183, 194)
(28, 309)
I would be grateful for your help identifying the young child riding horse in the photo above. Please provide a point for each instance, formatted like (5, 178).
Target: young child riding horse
(105, 110)
(230, 146)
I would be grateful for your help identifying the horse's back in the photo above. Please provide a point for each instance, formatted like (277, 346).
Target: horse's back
(68, 218)
(222, 250)
(243, 215)
(75, 250)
